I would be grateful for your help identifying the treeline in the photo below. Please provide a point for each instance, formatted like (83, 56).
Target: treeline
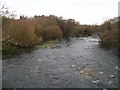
(28, 32)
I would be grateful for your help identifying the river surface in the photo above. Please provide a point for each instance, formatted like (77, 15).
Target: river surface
(74, 63)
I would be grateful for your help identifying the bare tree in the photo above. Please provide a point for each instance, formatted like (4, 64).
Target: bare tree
(3, 10)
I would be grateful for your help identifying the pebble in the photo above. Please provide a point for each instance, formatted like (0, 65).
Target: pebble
(112, 76)
(45, 59)
(110, 51)
(80, 38)
(73, 58)
(104, 89)
(101, 72)
(109, 82)
(96, 82)
(81, 72)
(73, 65)
(69, 46)
(85, 63)
(48, 47)
(40, 60)
(116, 67)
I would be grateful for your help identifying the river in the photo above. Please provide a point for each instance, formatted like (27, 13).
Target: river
(75, 63)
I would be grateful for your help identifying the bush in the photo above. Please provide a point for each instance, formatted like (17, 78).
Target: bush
(52, 33)
(68, 27)
(47, 27)
(109, 36)
(22, 34)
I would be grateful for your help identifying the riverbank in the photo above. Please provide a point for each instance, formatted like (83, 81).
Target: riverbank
(12, 51)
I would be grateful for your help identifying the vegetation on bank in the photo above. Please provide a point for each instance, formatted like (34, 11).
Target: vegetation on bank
(109, 33)
(29, 32)
(11, 51)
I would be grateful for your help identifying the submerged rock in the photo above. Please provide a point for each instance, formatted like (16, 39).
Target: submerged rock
(96, 82)
(81, 72)
(100, 72)
(104, 89)
(112, 76)
(116, 67)
(40, 60)
(73, 65)
(110, 82)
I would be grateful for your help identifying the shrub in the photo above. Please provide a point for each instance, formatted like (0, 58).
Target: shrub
(22, 34)
(68, 27)
(109, 36)
(47, 27)
(52, 33)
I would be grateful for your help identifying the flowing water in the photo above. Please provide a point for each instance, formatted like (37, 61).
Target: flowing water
(75, 63)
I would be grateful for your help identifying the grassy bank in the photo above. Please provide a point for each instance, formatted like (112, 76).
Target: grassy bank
(48, 44)
(11, 51)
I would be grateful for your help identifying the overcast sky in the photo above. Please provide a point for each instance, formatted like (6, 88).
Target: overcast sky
(84, 11)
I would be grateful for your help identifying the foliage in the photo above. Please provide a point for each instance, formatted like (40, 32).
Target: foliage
(109, 35)
(68, 27)
(47, 28)
(52, 33)
(26, 32)
(21, 33)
